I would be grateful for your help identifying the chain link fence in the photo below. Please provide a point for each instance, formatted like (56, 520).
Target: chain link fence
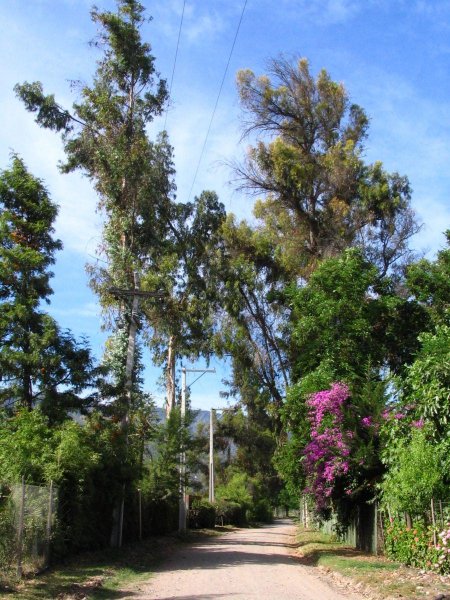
(27, 521)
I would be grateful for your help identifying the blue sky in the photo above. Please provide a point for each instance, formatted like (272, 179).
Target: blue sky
(393, 56)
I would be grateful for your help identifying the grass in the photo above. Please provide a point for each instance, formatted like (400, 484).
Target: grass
(99, 575)
(379, 576)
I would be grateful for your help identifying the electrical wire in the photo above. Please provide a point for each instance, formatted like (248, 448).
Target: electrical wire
(217, 99)
(175, 61)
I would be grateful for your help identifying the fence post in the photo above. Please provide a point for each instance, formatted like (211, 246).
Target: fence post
(140, 513)
(383, 542)
(49, 524)
(20, 532)
(442, 513)
(121, 514)
(375, 529)
(433, 520)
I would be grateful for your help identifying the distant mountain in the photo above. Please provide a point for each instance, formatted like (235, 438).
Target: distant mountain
(201, 416)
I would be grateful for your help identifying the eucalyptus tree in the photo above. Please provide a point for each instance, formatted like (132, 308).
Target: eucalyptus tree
(319, 196)
(187, 273)
(105, 136)
(316, 196)
(39, 363)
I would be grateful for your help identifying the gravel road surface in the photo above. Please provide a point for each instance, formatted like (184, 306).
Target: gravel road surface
(246, 564)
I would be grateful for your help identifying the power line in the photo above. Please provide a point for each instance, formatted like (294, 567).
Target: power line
(217, 100)
(175, 60)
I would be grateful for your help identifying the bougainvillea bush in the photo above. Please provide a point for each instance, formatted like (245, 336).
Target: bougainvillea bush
(415, 545)
(341, 458)
(326, 456)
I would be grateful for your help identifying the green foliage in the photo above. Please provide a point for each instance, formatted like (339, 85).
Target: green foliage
(430, 283)
(248, 493)
(230, 513)
(8, 532)
(319, 195)
(162, 475)
(88, 462)
(39, 363)
(253, 441)
(186, 271)
(415, 434)
(347, 318)
(415, 545)
(237, 489)
(428, 380)
(261, 511)
(416, 473)
(26, 447)
(105, 135)
(202, 514)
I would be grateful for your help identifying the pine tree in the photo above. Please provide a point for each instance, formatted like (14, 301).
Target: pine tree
(38, 362)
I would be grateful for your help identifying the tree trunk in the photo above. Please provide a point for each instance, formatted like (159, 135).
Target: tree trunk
(118, 512)
(170, 377)
(131, 349)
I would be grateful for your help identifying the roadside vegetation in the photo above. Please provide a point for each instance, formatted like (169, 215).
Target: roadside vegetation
(373, 576)
(102, 574)
(338, 335)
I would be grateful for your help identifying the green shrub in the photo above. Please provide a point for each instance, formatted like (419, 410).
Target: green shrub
(415, 546)
(230, 513)
(202, 514)
(416, 474)
(260, 511)
(8, 535)
(160, 516)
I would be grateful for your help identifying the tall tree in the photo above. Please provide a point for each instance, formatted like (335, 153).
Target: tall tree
(105, 135)
(187, 273)
(317, 197)
(39, 363)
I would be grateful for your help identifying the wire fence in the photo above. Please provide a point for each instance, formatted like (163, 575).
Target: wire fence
(366, 529)
(27, 522)
(363, 531)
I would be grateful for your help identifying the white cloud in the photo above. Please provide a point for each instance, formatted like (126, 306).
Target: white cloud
(203, 22)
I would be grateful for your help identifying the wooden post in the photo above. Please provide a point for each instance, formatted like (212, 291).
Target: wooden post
(442, 514)
(211, 456)
(433, 520)
(121, 514)
(375, 528)
(49, 524)
(182, 500)
(20, 532)
(140, 513)
(381, 528)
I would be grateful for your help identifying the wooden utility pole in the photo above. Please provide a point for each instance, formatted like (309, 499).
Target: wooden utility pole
(135, 294)
(211, 455)
(182, 511)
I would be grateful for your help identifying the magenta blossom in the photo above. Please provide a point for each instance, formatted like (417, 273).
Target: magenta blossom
(326, 454)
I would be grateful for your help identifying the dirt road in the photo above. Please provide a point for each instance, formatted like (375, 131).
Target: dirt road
(242, 565)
